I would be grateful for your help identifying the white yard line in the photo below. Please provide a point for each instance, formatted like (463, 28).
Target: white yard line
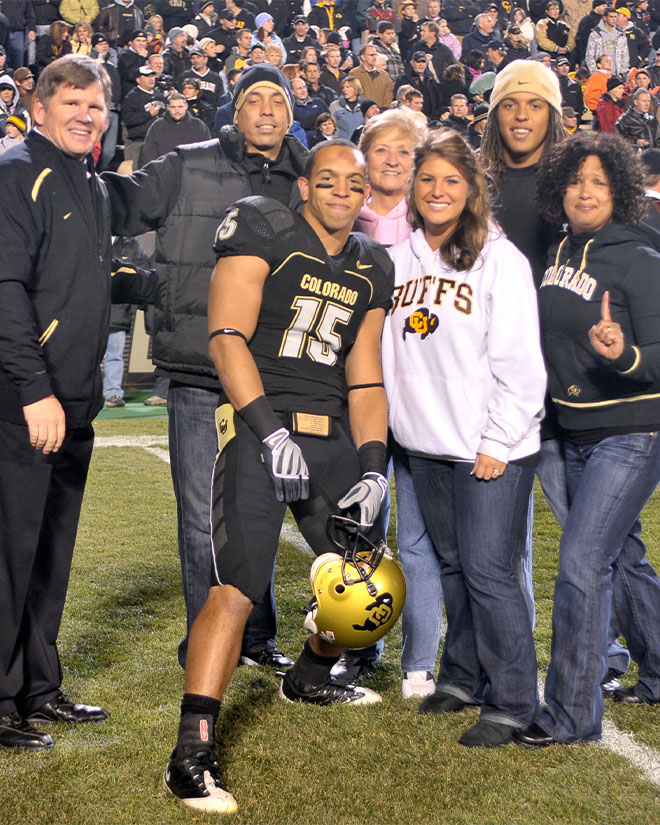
(622, 743)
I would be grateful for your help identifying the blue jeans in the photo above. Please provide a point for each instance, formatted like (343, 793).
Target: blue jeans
(113, 364)
(16, 51)
(193, 447)
(422, 613)
(608, 485)
(551, 472)
(477, 528)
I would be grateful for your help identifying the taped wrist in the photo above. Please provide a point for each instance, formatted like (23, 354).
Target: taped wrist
(260, 418)
(373, 458)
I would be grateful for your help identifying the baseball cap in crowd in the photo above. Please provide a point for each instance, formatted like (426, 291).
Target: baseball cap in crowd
(527, 76)
(481, 112)
(98, 38)
(20, 124)
(624, 11)
(515, 30)
(496, 46)
(568, 111)
(198, 50)
(146, 71)
(262, 18)
(613, 82)
(264, 74)
(22, 74)
(643, 70)
(491, 7)
(651, 160)
(563, 61)
(138, 33)
(417, 57)
(299, 18)
(225, 14)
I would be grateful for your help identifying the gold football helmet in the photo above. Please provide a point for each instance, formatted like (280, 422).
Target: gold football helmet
(358, 593)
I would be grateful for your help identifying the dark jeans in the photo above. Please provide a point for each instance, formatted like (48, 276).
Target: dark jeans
(477, 528)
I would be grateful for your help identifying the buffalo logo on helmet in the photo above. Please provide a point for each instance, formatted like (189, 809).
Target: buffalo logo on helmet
(421, 322)
(381, 613)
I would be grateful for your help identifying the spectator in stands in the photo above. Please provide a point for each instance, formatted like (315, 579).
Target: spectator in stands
(418, 75)
(21, 22)
(597, 82)
(164, 82)
(205, 20)
(176, 128)
(448, 39)
(198, 108)
(331, 74)
(517, 47)
(411, 99)
(385, 45)
(24, 80)
(300, 38)
(225, 33)
(520, 18)
(453, 83)
(585, 27)
(15, 128)
(479, 38)
(240, 55)
(176, 56)
(569, 120)
(458, 119)
(376, 85)
(552, 34)
(9, 102)
(266, 34)
(639, 44)
(141, 106)
(325, 129)
(53, 45)
(605, 38)
(476, 130)
(81, 40)
(460, 15)
(244, 18)
(131, 58)
(496, 56)
(281, 12)
(346, 109)
(117, 18)
(326, 14)
(210, 83)
(175, 13)
(640, 17)
(441, 55)
(306, 109)
(408, 31)
(571, 91)
(651, 160)
(311, 75)
(610, 105)
(369, 109)
(636, 124)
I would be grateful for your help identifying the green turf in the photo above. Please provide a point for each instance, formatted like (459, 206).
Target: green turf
(287, 765)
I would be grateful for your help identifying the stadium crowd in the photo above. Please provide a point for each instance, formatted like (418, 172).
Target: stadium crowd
(508, 158)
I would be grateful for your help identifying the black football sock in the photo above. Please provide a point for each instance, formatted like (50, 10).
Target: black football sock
(312, 669)
(197, 726)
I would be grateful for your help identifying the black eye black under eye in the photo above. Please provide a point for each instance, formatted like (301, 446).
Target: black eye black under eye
(323, 186)
(357, 189)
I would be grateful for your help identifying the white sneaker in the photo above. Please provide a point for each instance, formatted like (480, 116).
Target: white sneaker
(417, 684)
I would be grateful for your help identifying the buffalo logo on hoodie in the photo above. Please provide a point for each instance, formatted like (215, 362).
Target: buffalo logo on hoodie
(422, 322)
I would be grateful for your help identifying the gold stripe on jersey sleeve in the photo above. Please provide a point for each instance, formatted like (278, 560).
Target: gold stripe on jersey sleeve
(364, 278)
(50, 329)
(293, 255)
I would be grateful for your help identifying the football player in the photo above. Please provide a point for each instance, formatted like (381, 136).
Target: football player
(296, 310)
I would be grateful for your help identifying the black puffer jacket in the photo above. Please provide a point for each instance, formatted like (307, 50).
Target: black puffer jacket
(184, 196)
(634, 126)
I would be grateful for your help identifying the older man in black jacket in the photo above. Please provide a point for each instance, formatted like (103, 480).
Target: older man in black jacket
(54, 312)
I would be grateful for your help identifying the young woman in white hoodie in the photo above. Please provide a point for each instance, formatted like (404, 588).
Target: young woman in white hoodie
(465, 382)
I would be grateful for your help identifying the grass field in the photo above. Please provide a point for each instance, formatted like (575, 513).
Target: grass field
(286, 764)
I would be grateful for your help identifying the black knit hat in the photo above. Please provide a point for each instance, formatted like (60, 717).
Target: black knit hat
(264, 74)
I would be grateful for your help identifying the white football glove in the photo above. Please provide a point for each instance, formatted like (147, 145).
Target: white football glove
(284, 461)
(368, 495)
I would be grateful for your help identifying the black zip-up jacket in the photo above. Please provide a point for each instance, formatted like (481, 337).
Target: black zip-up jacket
(184, 197)
(54, 281)
(591, 393)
